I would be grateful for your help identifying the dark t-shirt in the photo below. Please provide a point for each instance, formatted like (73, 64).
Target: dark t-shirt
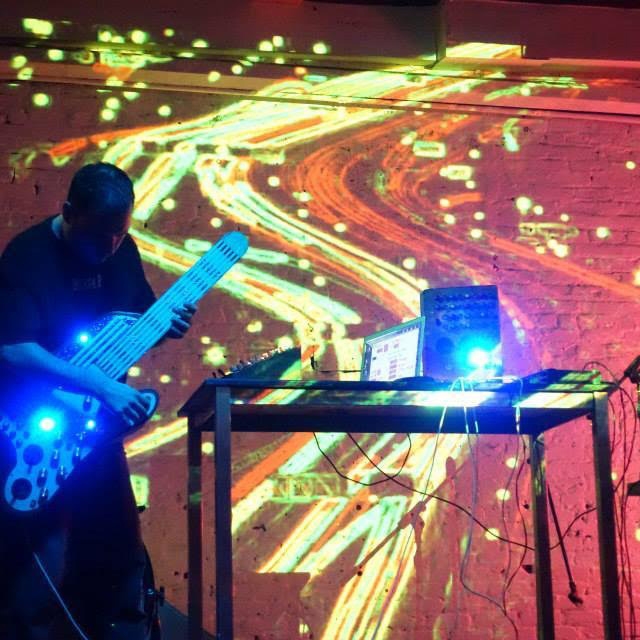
(48, 295)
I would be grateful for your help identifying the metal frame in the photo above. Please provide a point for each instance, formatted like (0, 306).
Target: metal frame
(221, 424)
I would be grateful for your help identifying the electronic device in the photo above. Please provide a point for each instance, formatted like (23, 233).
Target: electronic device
(394, 353)
(461, 332)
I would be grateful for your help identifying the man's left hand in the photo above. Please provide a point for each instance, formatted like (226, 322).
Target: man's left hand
(181, 322)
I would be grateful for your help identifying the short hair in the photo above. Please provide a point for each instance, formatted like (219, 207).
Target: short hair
(101, 189)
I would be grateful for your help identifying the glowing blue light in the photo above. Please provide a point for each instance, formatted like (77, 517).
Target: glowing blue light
(90, 424)
(83, 338)
(478, 358)
(47, 423)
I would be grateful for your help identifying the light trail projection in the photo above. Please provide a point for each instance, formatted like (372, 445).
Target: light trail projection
(357, 193)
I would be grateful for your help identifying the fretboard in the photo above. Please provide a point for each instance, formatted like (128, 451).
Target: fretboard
(116, 353)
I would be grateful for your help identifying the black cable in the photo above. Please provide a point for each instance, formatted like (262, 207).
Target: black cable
(414, 490)
(573, 591)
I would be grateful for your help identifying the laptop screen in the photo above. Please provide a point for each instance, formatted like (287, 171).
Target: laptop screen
(393, 353)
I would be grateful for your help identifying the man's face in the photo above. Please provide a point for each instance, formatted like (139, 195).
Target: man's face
(95, 238)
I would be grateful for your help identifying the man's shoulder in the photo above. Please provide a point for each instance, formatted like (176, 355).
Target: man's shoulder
(34, 238)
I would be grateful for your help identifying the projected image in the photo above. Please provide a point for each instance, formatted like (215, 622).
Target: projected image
(351, 211)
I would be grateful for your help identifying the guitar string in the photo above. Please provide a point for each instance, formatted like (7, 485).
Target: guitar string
(95, 353)
(150, 328)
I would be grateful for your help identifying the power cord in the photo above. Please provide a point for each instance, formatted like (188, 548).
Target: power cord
(59, 598)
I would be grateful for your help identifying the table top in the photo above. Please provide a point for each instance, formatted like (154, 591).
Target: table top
(527, 406)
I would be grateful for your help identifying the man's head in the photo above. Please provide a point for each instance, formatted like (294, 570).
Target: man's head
(97, 213)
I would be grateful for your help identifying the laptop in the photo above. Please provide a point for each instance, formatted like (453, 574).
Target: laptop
(394, 353)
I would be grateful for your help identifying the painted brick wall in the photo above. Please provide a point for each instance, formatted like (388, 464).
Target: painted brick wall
(573, 304)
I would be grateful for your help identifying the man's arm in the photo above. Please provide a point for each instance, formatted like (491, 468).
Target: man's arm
(118, 397)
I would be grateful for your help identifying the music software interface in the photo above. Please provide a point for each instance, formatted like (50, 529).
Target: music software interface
(394, 354)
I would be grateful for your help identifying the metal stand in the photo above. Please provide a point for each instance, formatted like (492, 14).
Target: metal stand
(341, 416)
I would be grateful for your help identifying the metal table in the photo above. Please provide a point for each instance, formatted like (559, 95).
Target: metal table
(227, 404)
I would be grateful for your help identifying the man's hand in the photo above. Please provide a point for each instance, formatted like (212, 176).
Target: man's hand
(181, 322)
(125, 401)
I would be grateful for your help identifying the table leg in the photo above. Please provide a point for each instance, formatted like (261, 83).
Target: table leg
(224, 568)
(544, 584)
(194, 532)
(606, 519)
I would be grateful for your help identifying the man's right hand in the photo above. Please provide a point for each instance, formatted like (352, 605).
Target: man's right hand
(121, 399)
(126, 402)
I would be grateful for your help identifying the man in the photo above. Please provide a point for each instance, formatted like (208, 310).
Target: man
(55, 278)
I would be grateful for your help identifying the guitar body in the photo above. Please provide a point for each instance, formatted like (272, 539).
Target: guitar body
(55, 430)
(51, 430)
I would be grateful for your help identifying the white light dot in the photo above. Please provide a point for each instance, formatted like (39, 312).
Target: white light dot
(164, 110)
(630, 164)
(503, 494)
(273, 181)
(603, 232)
(320, 48)
(255, 326)
(207, 448)
(511, 462)
(134, 372)
(303, 263)
(474, 154)
(538, 209)
(237, 69)
(409, 263)
(565, 217)
(492, 533)
(213, 76)
(303, 213)
(445, 203)
(476, 233)
(205, 339)
(561, 250)
(319, 281)
(449, 218)
(165, 378)
(479, 215)
(340, 227)
(216, 223)
(168, 204)
(470, 184)
(113, 103)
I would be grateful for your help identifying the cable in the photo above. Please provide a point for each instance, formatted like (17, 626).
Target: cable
(414, 490)
(59, 598)
(474, 501)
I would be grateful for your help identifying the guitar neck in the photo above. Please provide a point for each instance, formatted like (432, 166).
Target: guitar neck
(117, 355)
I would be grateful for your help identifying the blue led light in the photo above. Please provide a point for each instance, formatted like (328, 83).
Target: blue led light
(478, 358)
(90, 424)
(47, 423)
(83, 338)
